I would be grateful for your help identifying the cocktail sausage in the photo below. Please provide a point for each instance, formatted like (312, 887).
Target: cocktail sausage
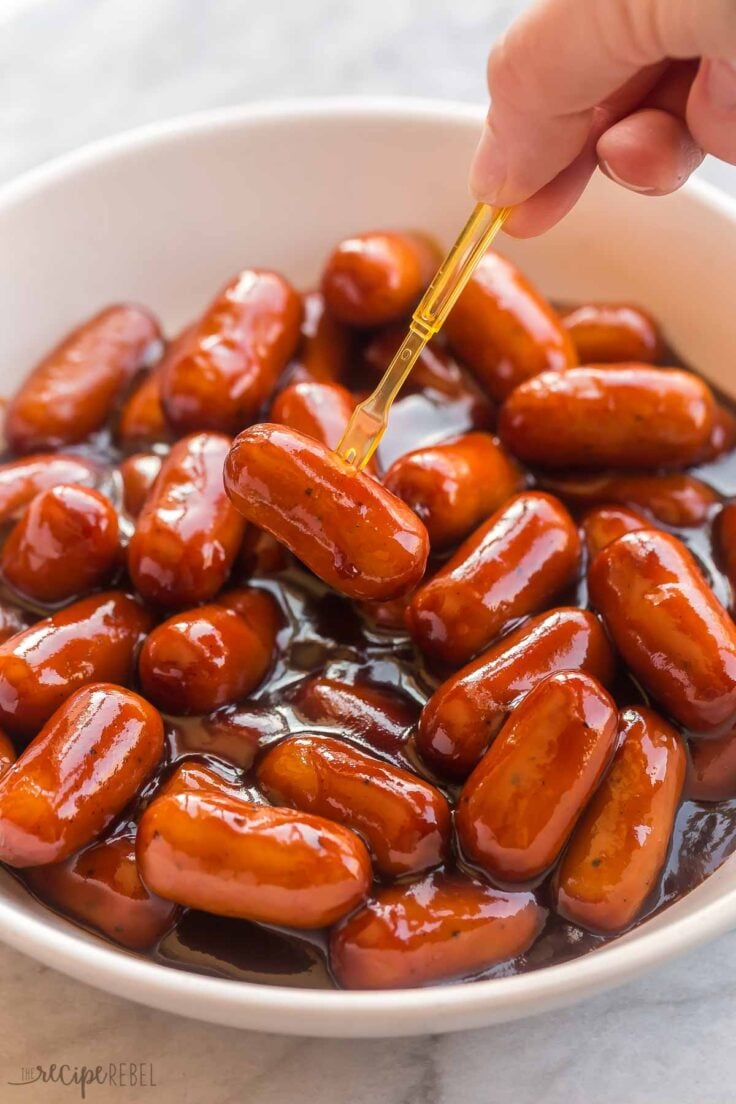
(74, 389)
(222, 369)
(441, 927)
(188, 533)
(618, 849)
(343, 525)
(668, 626)
(619, 416)
(82, 769)
(520, 804)
(513, 565)
(282, 867)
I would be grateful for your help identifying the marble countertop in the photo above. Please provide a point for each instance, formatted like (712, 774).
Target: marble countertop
(74, 70)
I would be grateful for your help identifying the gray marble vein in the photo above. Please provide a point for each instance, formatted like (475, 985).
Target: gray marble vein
(75, 70)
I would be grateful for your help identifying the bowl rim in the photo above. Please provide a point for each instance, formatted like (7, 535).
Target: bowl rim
(380, 1012)
(264, 112)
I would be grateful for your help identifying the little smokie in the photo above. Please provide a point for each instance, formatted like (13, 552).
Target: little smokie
(405, 820)
(94, 639)
(73, 391)
(221, 370)
(514, 564)
(518, 807)
(436, 929)
(88, 761)
(283, 867)
(504, 330)
(612, 333)
(67, 542)
(342, 524)
(619, 847)
(668, 626)
(612, 416)
(374, 279)
(453, 487)
(187, 534)
(204, 658)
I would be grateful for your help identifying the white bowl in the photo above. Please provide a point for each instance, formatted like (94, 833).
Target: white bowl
(163, 216)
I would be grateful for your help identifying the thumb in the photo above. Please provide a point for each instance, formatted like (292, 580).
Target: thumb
(711, 107)
(564, 68)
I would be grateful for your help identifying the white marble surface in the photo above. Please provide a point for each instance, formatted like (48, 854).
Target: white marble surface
(73, 70)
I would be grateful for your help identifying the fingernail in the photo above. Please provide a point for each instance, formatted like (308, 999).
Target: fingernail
(721, 84)
(488, 170)
(643, 189)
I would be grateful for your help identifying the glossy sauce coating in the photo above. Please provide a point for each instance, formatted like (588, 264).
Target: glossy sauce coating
(668, 625)
(722, 437)
(521, 802)
(82, 769)
(101, 887)
(389, 615)
(404, 820)
(441, 927)
(232, 734)
(66, 543)
(13, 620)
(282, 867)
(320, 410)
(711, 772)
(610, 333)
(7, 752)
(674, 499)
(372, 279)
(192, 776)
(513, 565)
(22, 480)
(453, 487)
(93, 640)
(623, 416)
(343, 525)
(222, 369)
(258, 609)
(71, 393)
(325, 346)
(188, 534)
(142, 420)
(466, 712)
(376, 715)
(138, 473)
(725, 539)
(202, 659)
(426, 417)
(504, 330)
(618, 849)
(604, 524)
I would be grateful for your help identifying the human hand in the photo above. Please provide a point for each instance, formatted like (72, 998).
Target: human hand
(642, 89)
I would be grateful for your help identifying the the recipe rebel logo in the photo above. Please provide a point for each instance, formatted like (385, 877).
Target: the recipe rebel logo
(116, 1075)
